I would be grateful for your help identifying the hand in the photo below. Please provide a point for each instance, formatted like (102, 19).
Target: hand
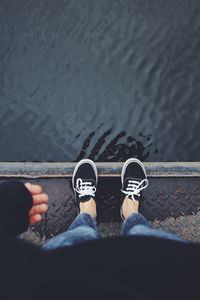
(40, 203)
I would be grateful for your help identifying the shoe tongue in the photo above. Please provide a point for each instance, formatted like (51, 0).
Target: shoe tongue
(87, 197)
(126, 184)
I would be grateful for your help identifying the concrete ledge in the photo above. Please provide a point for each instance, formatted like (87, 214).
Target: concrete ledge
(105, 169)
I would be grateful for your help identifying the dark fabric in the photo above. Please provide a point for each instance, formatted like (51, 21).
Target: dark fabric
(118, 268)
(114, 268)
(15, 203)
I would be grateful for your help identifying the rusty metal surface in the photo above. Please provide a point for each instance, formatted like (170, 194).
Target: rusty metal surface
(171, 203)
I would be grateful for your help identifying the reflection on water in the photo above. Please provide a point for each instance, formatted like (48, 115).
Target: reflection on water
(116, 150)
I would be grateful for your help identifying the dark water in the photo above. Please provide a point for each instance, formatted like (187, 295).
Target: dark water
(104, 79)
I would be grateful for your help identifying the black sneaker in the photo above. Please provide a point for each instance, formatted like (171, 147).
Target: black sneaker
(133, 178)
(84, 180)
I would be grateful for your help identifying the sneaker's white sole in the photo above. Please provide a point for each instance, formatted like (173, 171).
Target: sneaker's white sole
(89, 161)
(127, 162)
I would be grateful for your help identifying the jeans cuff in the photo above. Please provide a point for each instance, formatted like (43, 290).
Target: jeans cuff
(84, 219)
(133, 220)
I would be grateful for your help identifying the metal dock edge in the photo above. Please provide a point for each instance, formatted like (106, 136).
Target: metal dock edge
(105, 169)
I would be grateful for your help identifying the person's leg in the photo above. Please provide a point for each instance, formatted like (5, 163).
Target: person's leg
(134, 180)
(84, 227)
(137, 225)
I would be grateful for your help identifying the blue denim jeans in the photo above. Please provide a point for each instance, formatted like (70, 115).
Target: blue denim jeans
(137, 225)
(84, 228)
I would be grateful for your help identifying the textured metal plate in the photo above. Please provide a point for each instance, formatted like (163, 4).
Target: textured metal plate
(171, 203)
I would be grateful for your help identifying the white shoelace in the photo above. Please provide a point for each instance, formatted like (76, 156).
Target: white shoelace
(135, 187)
(85, 188)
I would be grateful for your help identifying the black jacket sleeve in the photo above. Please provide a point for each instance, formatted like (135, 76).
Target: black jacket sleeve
(15, 203)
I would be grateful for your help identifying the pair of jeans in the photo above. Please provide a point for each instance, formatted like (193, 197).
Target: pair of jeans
(84, 228)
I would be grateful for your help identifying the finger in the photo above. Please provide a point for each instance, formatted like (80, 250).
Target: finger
(35, 219)
(38, 209)
(39, 199)
(33, 188)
